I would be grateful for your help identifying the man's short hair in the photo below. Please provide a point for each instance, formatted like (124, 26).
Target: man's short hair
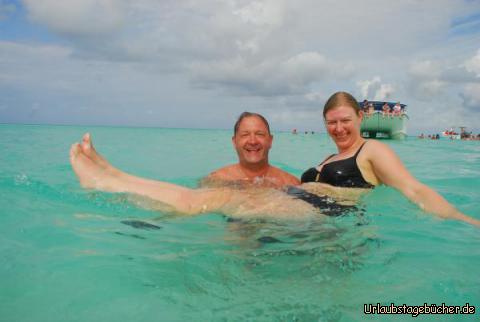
(249, 114)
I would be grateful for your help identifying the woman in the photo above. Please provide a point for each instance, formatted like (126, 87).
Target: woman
(364, 163)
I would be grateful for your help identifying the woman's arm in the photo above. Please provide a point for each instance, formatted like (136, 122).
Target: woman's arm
(390, 171)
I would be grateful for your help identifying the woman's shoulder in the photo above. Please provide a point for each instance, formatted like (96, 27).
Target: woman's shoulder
(375, 148)
(376, 153)
(372, 144)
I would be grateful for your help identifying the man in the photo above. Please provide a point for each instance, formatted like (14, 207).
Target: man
(252, 140)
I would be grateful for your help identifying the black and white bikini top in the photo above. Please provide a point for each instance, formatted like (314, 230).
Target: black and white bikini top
(341, 173)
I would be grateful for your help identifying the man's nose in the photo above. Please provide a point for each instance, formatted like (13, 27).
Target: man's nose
(252, 138)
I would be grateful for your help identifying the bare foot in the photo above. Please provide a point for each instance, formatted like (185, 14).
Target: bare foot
(87, 148)
(91, 174)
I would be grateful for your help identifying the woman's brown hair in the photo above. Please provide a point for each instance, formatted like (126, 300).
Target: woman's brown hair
(341, 98)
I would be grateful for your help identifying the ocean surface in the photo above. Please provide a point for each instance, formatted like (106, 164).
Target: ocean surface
(71, 255)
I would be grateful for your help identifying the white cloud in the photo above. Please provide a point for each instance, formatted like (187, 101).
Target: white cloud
(288, 54)
(425, 70)
(471, 97)
(384, 92)
(429, 79)
(374, 89)
(473, 65)
(290, 76)
(78, 17)
(365, 86)
(262, 13)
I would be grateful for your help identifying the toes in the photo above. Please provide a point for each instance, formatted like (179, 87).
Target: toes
(86, 138)
(74, 150)
(86, 144)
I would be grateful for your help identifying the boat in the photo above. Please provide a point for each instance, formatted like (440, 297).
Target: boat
(378, 124)
(454, 135)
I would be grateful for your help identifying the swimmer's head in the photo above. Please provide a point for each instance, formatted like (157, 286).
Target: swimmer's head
(249, 114)
(341, 99)
(252, 139)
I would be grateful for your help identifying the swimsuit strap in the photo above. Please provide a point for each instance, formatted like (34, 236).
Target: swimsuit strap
(354, 156)
(326, 159)
(358, 151)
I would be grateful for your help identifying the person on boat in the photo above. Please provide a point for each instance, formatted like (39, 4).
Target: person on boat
(362, 163)
(386, 109)
(397, 109)
(365, 106)
(371, 108)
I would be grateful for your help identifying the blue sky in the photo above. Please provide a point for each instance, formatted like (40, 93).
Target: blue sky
(200, 64)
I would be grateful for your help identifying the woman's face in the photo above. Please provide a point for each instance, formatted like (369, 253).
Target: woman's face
(343, 126)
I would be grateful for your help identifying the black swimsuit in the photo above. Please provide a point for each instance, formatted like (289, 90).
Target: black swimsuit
(341, 173)
(327, 205)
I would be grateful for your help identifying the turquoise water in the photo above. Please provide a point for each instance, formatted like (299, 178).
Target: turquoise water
(65, 254)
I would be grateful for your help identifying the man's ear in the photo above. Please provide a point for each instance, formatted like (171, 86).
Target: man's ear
(271, 140)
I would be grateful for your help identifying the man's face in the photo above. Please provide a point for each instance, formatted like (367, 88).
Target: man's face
(252, 141)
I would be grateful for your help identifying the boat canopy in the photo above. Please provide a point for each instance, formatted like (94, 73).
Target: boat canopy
(377, 105)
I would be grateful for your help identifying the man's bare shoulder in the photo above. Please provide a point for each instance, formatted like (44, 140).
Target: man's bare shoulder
(285, 177)
(229, 172)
